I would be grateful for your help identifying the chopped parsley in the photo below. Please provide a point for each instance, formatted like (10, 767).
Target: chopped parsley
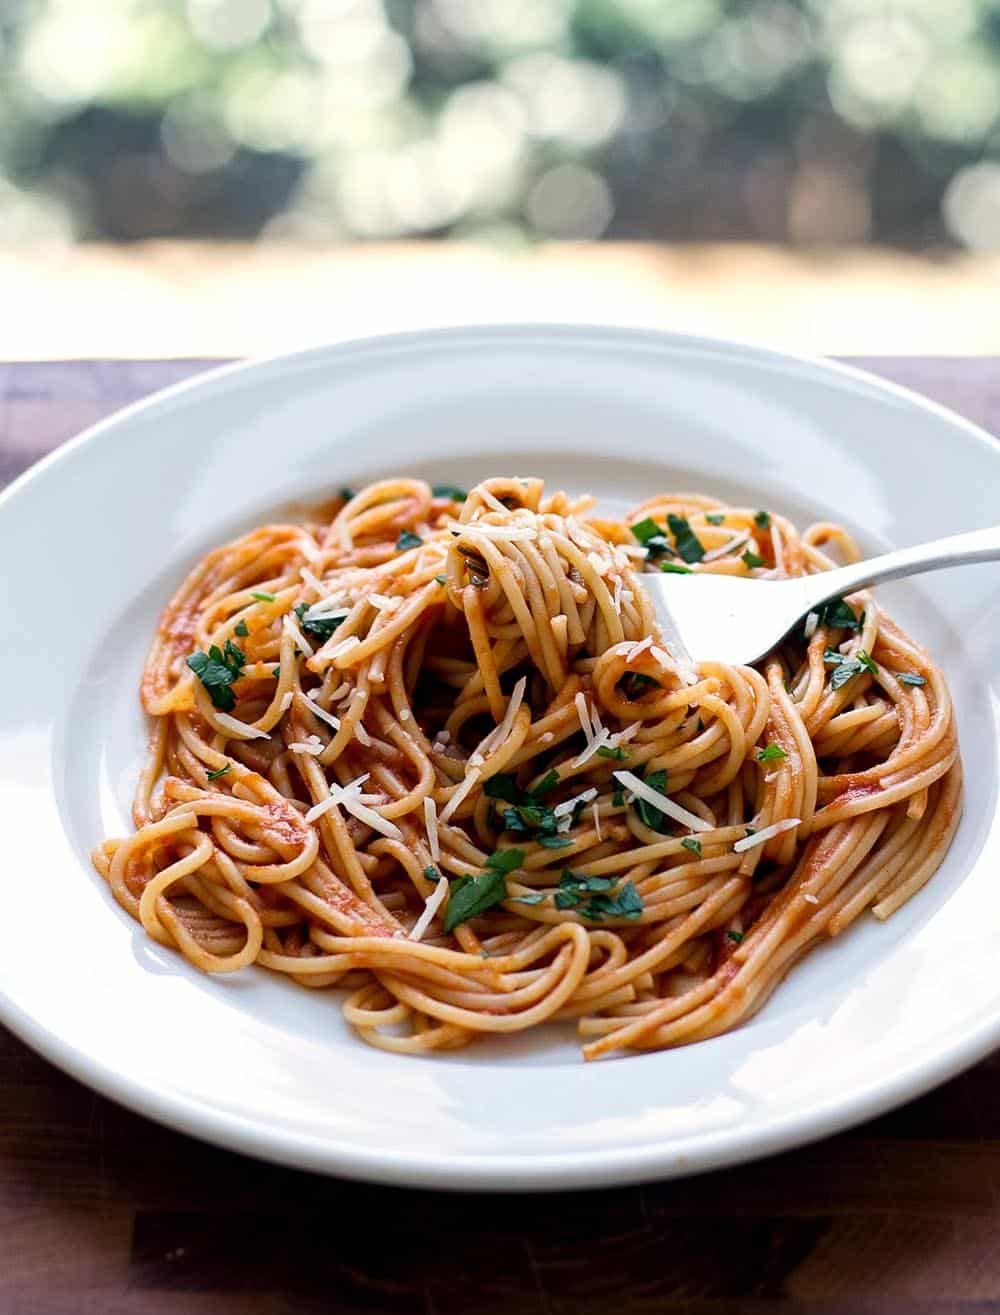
(845, 668)
(762, 520)
(649, 814)
(449, 491)
(634, 683)
(241, 629)
(408, 540)
(674, 568)
(347, 494)
(431, 873)
(470, 896)
(715, 517)
(751, 560)
(441, 579)
(838, 615)
(526, 815)
(910, 678)
(262, 595)
(214, 776)
(537, 898)
(653, 538)
(587, 895)
(772, 753)
(618, 798)
(736, 936)
(689, 546)
(616, 754)
(693, 845)
(276, 673)
(217, 670)
(319, 627)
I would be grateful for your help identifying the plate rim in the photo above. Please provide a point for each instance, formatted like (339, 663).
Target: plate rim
(591, 1168)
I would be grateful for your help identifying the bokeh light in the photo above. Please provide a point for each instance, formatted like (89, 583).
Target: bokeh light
(815, 122)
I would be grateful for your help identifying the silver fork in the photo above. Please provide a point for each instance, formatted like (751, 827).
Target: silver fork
(723, 618)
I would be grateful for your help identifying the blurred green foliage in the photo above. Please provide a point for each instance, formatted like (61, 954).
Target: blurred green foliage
(803, 121)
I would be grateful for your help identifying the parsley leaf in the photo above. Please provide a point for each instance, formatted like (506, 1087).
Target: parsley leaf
(626, 904)
(537, 898)
(441, 579)
(214, 776)
(576, 881)
(431, 873)
(848, 666)
(408, 540)
(648, 813)
(752, 559)
(693, 845)
(449, 491)
(548, 781)
(347, 494)
(502, 786)
(771, 754)
(262, 595)
(762, 520)
(688, 544)
(217, 670)
(837, 615)
(617, 754)
(470, 896)
(646, 529)
(736, 936)
(319, 627)
(553, 842)
(241, 629)
(715, 517)
(910, 678)
(673, 568)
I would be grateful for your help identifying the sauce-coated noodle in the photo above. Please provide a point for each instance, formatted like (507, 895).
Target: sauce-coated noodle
(357, 779)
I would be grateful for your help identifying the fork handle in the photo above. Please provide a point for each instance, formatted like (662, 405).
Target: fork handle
(959, 549)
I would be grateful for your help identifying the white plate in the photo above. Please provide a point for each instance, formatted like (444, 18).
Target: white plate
(97, 537)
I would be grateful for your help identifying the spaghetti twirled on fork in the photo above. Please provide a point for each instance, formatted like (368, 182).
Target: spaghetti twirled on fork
(432, 747)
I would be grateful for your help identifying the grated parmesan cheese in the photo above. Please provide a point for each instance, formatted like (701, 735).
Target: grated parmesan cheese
(638, 649)
(812, 621)
(598, 742)
(344, 646)
(298, 637)
(597, 819)
(313, 746)
(582, 713)
(514, 533)
(335, 796)
(724, 549)
(286, 701)
(461, 791)
(657, 800)
(240, 729)
(322, 713)
(431, 823)
(810, 898)
(434, 901)
(492, 500)
(762, 837)
(565, 809)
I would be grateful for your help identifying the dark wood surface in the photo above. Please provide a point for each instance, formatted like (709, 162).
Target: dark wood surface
(103, 1212)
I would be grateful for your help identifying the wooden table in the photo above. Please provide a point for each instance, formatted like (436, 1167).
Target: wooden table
(102, 1212)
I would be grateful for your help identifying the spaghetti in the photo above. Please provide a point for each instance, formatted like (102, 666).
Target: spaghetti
(434, 749)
